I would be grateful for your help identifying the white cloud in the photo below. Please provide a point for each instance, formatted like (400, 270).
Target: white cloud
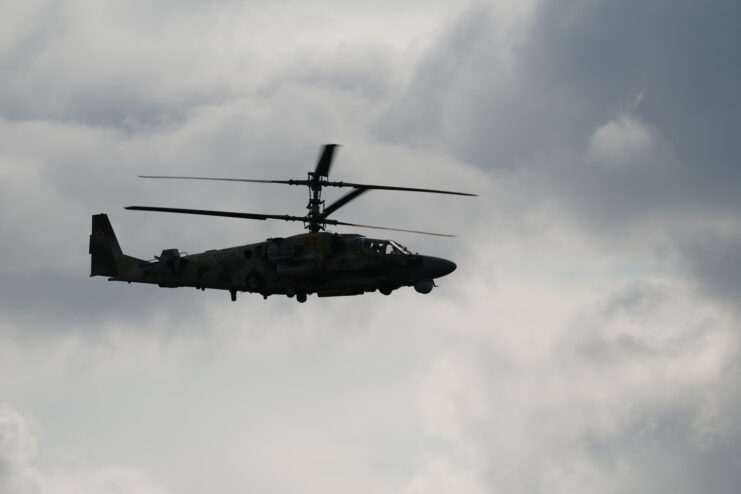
(17, 447)
(105, 480)
(624, 141)
(19, 475)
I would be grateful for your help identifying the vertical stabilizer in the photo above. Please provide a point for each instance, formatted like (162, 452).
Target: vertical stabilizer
(106, 254)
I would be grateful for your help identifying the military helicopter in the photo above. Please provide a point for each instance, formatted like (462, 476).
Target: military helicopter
(327, 264)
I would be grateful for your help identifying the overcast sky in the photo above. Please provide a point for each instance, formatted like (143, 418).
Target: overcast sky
(588, 342)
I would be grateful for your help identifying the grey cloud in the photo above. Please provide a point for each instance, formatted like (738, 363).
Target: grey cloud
(678, 54)
(627, 399)
(579, 66)
(667, 67)
(714, 262)
(139, 68)
(637, 298)
(641, 448)
(103, 65)
(623, 403)
(59, 303)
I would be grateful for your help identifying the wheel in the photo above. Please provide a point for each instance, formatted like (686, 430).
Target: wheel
(255, 282)
(386, 291)
(301, 297)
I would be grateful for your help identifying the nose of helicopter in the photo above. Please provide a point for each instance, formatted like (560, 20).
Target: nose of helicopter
(436, 267)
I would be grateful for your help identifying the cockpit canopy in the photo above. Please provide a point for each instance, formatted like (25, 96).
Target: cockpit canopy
(385, 247)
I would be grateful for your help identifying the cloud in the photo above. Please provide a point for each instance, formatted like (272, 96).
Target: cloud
(17, 447)
(620, 88)
(575, 67)
(598, 400)
(711, 258)
(588, 340)
(620, 142)
(18, 475)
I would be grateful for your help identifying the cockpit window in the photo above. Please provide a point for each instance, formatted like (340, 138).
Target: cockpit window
(400, 249)
(385, 247)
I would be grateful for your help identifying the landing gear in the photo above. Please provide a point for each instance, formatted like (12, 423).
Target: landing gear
(301, 297)
(234, 295)
(386, 291)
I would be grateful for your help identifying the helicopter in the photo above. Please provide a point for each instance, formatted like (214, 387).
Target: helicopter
(315, 262)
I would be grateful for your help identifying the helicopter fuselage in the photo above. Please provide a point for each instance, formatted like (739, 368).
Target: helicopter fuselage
(322, 263)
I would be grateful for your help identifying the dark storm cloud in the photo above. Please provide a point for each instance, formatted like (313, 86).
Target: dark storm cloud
(562, 113)
(679, 55)
(580, 65)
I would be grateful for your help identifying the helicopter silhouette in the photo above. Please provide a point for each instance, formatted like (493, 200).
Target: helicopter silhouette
(315, 262)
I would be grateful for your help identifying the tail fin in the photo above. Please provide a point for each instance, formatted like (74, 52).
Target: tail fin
(104, 248)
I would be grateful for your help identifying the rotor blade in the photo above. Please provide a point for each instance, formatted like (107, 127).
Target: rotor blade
(342, 201)
(228, 214)
(289, 182)
(390, 187)
(335, 222)
(325, 160)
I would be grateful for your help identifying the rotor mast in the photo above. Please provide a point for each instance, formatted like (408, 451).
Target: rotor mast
(315, 218)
